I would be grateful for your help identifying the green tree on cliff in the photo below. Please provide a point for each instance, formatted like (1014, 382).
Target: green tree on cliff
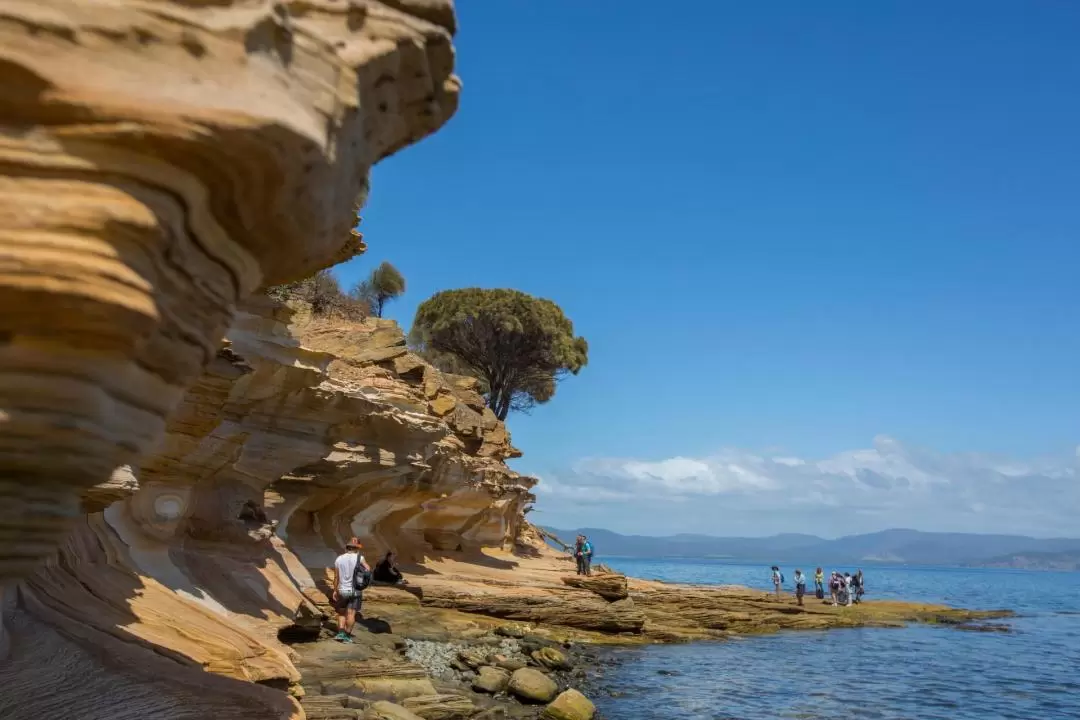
(383, 284)
(518, 346)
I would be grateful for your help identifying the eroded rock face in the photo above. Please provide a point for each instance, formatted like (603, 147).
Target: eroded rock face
(216, 542)
(160, 159)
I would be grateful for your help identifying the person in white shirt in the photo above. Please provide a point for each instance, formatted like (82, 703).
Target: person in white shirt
(346, 596)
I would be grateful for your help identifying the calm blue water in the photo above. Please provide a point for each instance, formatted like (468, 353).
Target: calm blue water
(919, 672)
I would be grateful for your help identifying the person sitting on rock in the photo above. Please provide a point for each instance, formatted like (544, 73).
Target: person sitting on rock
(348, 588)
(386, 571)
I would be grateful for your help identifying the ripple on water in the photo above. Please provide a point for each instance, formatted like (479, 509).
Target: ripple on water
(923, 672)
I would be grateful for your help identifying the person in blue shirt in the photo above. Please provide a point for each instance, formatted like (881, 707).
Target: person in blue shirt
(583, 554)
(800, 586)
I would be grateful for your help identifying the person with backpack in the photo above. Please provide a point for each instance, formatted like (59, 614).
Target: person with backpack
(834, 587)
(800, 586)
(777, 580)
(819, 584)
(845, 589)
(583, 553)
(351, 576)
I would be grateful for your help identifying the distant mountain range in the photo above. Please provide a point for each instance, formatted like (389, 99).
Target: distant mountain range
(889, 546)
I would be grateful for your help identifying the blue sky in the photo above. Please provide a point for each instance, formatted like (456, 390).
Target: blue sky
(842, 233)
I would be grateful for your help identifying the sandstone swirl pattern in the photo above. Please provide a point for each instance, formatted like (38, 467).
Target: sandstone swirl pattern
(166, 603)
(160, 159)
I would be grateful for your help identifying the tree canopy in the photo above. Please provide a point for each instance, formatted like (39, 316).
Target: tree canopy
(384, 283)
(519, 346)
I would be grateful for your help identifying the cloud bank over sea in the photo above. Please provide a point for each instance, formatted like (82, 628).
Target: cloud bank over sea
(887, 485)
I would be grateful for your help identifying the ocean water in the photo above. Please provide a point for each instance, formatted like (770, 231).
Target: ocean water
(915, 673)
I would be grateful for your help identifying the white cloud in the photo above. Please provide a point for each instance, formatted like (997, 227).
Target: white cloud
(887, 485)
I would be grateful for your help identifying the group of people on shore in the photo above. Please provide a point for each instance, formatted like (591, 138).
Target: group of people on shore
(844, 588)
(351, 576)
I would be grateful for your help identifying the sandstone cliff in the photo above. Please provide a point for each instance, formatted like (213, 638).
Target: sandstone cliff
(198, 558)
(159, 160)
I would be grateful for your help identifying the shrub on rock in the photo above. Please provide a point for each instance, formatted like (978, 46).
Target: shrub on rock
(532, 686)
(570, 705)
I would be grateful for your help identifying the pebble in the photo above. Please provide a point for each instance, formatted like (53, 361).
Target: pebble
(438, 658)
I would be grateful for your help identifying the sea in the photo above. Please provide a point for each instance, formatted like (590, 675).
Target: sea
(919, 672)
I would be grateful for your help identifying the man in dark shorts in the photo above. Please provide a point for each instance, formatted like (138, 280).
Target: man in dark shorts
(346, 597)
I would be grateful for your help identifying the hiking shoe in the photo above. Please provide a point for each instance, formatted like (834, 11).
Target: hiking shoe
(340, 636)
(346, 638)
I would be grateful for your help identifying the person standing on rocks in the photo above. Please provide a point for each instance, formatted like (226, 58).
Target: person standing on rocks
(860, 588)
(583, 553)
(819, 584)
(777, 580)
(348, 594)
(800, 586)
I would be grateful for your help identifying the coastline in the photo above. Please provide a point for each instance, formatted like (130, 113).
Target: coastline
(427, 642)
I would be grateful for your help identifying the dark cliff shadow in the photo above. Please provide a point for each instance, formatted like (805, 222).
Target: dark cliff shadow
(375, 626)
(472, 556)
(78, 618)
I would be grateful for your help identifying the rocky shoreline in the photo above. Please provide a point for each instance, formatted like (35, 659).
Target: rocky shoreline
(518, 646)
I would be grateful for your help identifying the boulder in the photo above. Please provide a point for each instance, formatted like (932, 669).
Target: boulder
(472, 657)
(610, 587)
(551, 658)
(491, 680)
(383, 710)
(532, 686)
(510, 663)
(511, 631)
(570, 705)
(440, 707)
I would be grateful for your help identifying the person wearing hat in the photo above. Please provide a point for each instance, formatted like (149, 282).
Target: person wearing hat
(346, 596)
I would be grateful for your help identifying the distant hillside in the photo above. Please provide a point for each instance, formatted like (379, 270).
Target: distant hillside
(1035, 561)
(889, 546)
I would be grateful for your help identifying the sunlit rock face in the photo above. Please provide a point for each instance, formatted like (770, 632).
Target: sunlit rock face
(160, 160)
(167, 598)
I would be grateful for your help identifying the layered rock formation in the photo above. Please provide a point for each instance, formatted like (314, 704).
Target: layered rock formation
(276, 455)
(159, 160)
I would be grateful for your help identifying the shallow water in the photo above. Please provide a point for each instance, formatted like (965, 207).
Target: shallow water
(915, 672)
